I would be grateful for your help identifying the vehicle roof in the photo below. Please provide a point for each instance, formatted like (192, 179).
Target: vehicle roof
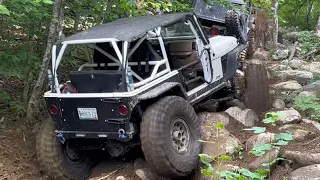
(129, 29)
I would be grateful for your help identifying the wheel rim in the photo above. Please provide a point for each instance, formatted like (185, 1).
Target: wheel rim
(72, 155)
(180, 136)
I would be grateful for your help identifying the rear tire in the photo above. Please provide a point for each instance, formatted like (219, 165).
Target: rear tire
(236, 27)
(170, 153)
(55, 158)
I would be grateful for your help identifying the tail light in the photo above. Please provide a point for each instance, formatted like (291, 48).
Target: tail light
(214, 31)
(53, 109)
(123, 110)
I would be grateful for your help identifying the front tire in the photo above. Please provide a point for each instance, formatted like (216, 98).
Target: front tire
(56, 160)
(169, 137)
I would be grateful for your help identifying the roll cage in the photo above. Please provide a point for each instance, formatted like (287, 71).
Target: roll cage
(122, 60)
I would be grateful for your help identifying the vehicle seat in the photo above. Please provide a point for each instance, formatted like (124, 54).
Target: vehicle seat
(96, 81)
(182, 54)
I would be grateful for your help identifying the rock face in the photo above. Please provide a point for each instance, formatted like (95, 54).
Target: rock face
(290, 116)
(303, 77)
(280, 67)
(279, 104)
(315, 86)
(288, 86)
(143, 172)
(210, 119)
(313, 67)
(281, 54)
(297, 64)
(268, 157)
(121, 178)
(300, 133)
(314, 123)
(259, 139)
(307, 93)
(226, 143)
(236, 103)
(263, 55)
(306, 173)
(301, 158)
(247, 117)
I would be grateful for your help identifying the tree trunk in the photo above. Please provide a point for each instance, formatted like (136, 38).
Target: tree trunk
(275, 5)
(318, 26)
(36, 96)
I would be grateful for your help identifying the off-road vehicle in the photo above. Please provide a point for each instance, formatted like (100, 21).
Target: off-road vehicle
(147, 76)
(234, 18)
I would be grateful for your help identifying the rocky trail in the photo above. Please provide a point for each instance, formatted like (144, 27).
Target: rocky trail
(301, 156)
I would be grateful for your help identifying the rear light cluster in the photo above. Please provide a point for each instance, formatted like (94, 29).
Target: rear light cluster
(53, 110)
(123, 110)
(214, 31)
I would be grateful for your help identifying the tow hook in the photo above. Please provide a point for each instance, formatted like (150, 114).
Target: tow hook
(122, 134)
(61, 138)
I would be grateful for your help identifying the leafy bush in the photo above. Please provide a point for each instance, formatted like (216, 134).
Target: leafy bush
(282, 139)
(308, 40)
(310, 105)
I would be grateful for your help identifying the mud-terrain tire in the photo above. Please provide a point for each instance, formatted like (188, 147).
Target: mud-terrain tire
(161, 152)
(257, 88)
(235, 27)
(53, 160)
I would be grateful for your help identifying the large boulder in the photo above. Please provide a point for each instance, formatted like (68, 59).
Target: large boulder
(313, 123)
(300, 133)
(268, 157)
(313, 67)
(259, 139)
(279, 104)
(307, 93)
(297, 63)
(288, 86)
(280, 67)
(143, 171)
(301, 158)
(263, 55)
(315, 86)
(247, 117)
(303, 77)
(311, 172)
(281, 54)
(289, 116)
(224, 144)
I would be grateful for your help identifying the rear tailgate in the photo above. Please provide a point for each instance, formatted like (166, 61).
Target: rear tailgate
(92, 115)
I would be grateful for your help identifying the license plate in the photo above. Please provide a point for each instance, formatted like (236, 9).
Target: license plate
(87, 113)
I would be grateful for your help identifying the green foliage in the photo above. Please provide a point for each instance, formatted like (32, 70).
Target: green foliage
(18, 108)
(4, 97)
(258, 150)
(308, 40)
(310, 105)
(272, 117)
(300, 13)
(4, 10)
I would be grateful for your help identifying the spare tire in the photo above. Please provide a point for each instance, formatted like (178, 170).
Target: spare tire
(236, 26)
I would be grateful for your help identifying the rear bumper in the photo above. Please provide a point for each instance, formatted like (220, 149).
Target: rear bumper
(110, 123)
